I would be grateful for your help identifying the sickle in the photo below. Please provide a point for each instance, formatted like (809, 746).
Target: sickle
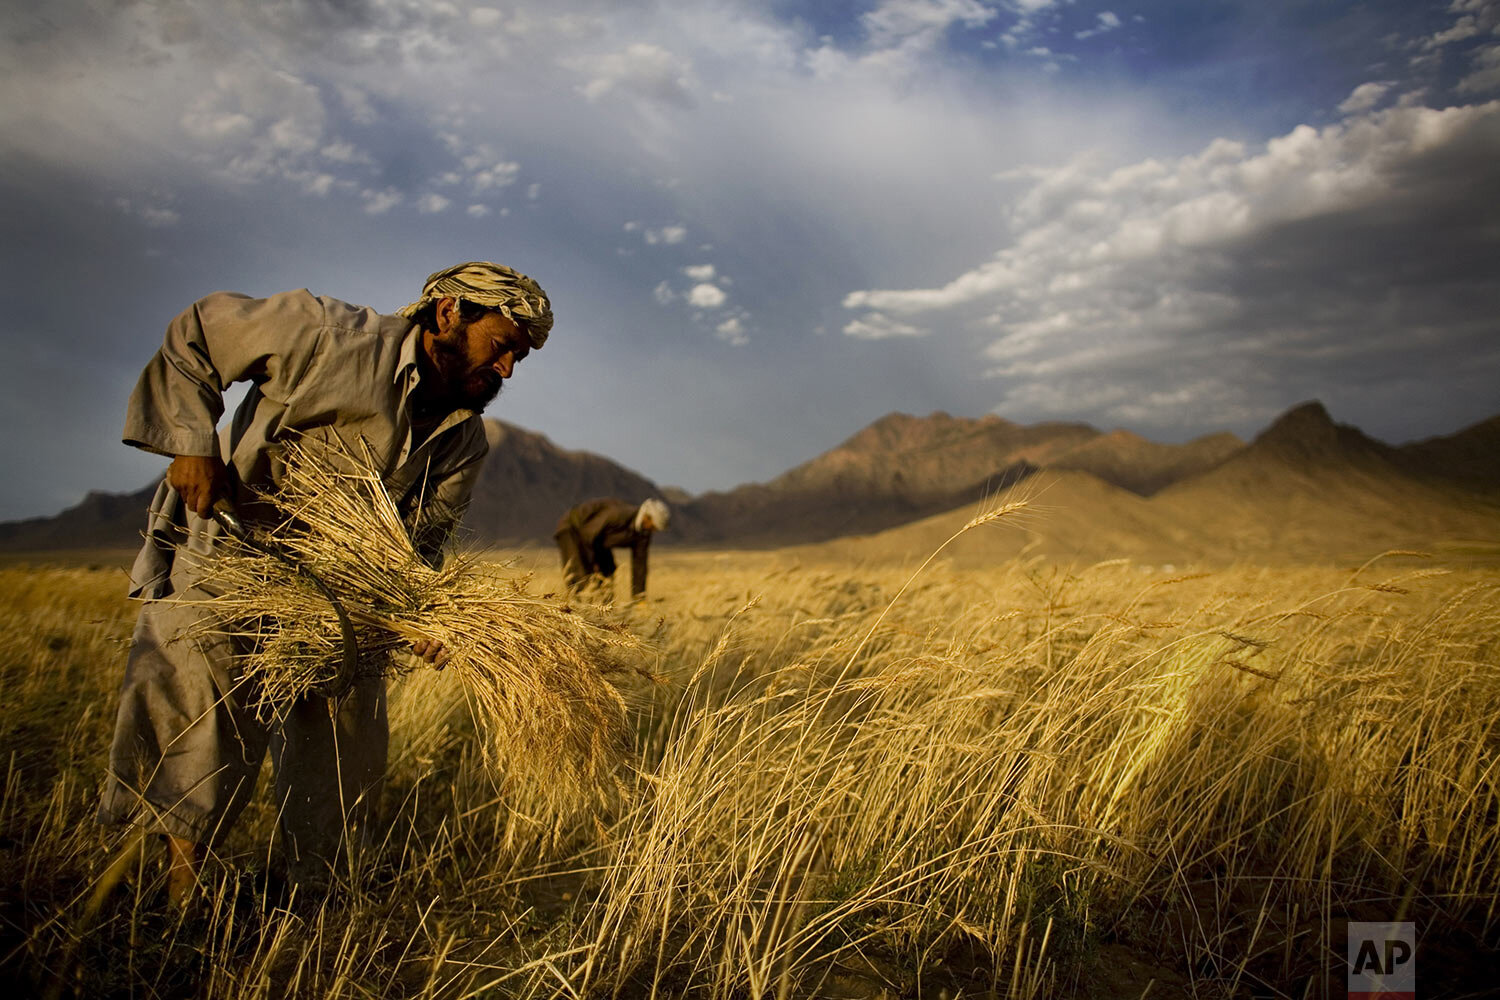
(225, 515)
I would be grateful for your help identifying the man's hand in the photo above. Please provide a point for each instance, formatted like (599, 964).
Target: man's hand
(199, 480)
(431, 651)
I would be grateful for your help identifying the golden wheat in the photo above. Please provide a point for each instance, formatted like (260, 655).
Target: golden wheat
(538, 671)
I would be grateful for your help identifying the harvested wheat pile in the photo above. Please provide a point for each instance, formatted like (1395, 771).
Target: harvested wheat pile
(537, 671)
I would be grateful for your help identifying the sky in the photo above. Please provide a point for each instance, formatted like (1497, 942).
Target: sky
(764, 225)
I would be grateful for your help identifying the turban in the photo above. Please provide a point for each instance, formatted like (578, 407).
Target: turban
(493, 286)
(654, 509)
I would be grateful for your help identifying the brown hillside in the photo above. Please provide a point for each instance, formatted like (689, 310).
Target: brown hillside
(921, 457)
(100, 521)
(1128, 460)
(1306, 490)
(1471, 457)
(1310, 488)
(897, 469)
(1072, 516)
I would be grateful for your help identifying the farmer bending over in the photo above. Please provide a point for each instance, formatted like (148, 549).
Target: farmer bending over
(586, 535)
(409, 388)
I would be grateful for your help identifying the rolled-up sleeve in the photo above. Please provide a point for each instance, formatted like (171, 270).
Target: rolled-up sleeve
(220, 339)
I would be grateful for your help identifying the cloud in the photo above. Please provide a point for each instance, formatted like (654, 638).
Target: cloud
(1105, 22)
(897, 21)
(484, 17)
(1485, 77)
(663, 294)
(669, 235)
(497, 175)
(1324, 246)
(642, 70)
(732, 332)
(380, 202)
(699, 272)
(706, 296)
(431, 203)
(257, 124)
(878, 326)
(154, 216)
(1366, 96)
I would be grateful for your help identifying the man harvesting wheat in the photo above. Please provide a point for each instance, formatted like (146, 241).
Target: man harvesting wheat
(404, 389)
(587, 535)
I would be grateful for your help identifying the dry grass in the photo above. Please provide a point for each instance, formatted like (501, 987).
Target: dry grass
(991, 786)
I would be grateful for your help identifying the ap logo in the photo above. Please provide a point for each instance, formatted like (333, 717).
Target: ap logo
(1382, 961)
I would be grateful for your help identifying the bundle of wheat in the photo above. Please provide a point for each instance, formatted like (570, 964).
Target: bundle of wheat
(537, 671)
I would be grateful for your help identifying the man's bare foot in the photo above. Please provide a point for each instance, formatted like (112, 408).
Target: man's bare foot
(183, 858)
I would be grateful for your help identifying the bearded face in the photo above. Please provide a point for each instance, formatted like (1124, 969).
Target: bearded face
(471, 360)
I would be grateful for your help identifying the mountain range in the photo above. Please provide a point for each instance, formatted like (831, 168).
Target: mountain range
(1306, 485)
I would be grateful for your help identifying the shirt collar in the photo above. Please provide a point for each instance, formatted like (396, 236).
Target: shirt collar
(408, 370)
(406, 367)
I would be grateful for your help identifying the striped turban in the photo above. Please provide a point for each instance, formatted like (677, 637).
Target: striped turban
(493, 286)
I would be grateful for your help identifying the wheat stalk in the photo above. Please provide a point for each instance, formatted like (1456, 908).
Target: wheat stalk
(537, 671)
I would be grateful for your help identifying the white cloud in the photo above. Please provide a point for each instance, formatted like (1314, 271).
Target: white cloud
(878, 326)
(1476, 17)
(1485, 77)
(700, 272)
(1366, 96)
(894, 21)
(732, 332)
(345, 152)
(706, 296)
(256, 123)
(1213, 261)
(432, 203)
(477, 211)
(380, 202)
(484, 17)
(663, 294)
(1075, 220)
(1106, 21)
(642, 70)
(211, 125)
(319, 185)
(498, 175)
(669, 235)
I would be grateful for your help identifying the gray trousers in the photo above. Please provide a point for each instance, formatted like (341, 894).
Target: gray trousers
(186, 751)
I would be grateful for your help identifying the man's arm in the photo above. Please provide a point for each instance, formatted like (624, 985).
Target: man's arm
(218, 340)
(221, 339)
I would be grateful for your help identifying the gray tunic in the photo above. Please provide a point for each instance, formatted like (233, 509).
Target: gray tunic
(185, 752)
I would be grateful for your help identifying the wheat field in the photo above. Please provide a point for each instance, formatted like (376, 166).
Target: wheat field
(855, 780)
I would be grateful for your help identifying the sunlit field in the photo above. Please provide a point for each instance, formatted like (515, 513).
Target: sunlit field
(1031, 780)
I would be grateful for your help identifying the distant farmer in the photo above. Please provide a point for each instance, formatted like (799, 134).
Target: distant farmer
(409, 388)
(587, 535)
